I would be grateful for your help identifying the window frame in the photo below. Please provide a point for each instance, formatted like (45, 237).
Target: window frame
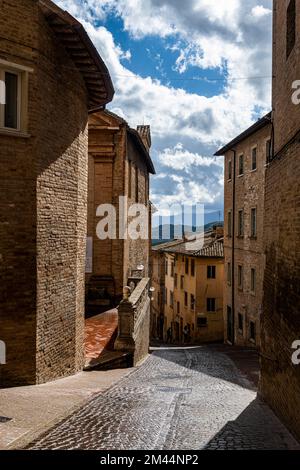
(254, 149)
(22, 72)
(208, 301)
(241, 222)
(241, 323)
(253, 233)
(212, 272)
(229, 170)
(253, 280)
(229, 224)
(291, 27)
(240, 277)
(241, 158)
(192, 302)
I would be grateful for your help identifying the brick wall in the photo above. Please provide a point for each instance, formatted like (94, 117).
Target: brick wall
(249, 253)
(43, 207)
(280, 379)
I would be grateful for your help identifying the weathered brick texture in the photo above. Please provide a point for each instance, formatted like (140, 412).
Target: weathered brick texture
(43, 193)
(280, 379)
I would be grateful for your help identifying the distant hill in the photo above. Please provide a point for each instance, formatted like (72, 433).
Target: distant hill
(158, 231)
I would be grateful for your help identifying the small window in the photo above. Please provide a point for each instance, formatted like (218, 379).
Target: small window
(253, 223)
(229, 274)
(178, 308)
(290, 28)
(166, 296)
(201, 322)
(230, 170)
(241, 165)
(211, 305)
(193, 267)
(211, 272)
(241, 323)
(253, 280)
(241, 223)
(182, 282)
(268, 150)
(175, 280)
(166, 267)
(136, 184)
(172, 269)
(186, 299)
(229, 224)
(186, 266)
(254, 159)
(192, 302)
(252, 331)
(171, 299)
(129, 178)
(240, 277)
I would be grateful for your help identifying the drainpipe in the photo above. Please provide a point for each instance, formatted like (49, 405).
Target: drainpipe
(233, 247)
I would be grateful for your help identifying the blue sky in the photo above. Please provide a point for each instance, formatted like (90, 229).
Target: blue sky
(198, 71)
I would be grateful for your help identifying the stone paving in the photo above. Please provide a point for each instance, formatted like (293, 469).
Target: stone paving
(179, 399)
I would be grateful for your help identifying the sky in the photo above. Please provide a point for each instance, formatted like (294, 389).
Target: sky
(198, 71)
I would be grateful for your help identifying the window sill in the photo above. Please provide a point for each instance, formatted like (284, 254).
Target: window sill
(253, 238)
(241, 176)
(254, 170)
(14, 133)
(240, 332)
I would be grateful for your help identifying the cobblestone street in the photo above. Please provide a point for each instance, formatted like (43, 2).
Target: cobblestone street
(179, 399)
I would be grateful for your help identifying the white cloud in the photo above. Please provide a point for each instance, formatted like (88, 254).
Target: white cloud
(223, 34)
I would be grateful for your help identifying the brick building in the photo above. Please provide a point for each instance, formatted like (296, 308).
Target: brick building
(245, 162)
(53, 77)
(280, 379)
(189, 289)
(119, 167)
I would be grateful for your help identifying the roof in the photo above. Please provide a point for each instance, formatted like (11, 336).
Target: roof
(210, 247)
(82, 51)
(264, 121)
(138, 139)
(214, 250)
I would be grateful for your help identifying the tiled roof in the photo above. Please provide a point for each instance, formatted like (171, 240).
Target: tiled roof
(213, 250)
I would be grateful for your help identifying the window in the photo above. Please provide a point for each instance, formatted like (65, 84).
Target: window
(166, 267)
(229, 170)
(241, 165)
(172, 269)
(241, 223)
(229, 224)
(178, 308)
(192, 302)
(253, 280)
(268, 150)
(185, 299)
(211, 305)
(240, 277)
(254, 159)
(182, 282)
(14, 91)
(186, 266)
(229, 274)
(201, 322)
(172, 299)
(166, 296)
(252, 331)
(290, 28)
(176, 280)
(211, 272)
(193, 267)
(136, 184)
(253, 223)
(240, 323)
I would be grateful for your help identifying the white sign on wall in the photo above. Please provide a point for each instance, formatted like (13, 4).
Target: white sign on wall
(89, 255)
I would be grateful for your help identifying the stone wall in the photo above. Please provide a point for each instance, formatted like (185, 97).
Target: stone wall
(43, 207)
(134, 322)
(249, 252)
(280, 379)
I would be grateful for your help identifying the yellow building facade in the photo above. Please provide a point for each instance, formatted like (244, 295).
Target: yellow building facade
(192, 289)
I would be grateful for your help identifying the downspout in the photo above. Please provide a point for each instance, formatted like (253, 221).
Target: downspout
(233, 248)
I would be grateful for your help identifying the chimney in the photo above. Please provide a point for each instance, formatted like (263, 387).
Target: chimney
(145, 134)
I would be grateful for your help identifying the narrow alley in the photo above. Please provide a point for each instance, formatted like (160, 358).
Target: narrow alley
(184, 398)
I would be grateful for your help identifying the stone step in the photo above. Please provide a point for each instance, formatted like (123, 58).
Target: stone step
(109, 360)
